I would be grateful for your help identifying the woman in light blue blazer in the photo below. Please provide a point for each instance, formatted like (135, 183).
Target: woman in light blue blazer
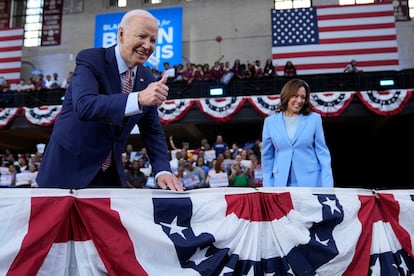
(294, 151)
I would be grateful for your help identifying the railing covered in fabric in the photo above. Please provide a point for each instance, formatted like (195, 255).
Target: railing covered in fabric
(363, 81)
(216, 231)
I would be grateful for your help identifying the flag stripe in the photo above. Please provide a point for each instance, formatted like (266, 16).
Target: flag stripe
(341, 52)
(11, 45)
(334, 35)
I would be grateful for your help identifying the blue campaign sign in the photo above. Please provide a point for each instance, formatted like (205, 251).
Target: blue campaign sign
(169, 43)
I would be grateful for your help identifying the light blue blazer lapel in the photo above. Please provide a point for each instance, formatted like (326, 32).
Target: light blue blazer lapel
(281, 131)
(302, 120)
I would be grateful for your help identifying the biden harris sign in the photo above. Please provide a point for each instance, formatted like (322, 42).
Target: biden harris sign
(168, 46)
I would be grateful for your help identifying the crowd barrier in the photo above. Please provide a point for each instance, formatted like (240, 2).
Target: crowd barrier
(363, 81)
(216, 231)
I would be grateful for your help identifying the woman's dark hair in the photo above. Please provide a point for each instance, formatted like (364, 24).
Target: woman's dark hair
(289, 90)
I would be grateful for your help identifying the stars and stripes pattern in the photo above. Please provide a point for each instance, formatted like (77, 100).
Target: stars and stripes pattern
(325, 39)
(216, 231)
(328, 104)
(11, 46)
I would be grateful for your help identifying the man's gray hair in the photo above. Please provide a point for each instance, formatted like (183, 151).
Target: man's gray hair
(133, 13)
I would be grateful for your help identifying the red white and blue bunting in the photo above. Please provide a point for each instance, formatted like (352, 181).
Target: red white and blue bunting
(328, 104)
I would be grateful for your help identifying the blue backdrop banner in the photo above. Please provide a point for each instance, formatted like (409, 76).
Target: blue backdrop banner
(169, 43)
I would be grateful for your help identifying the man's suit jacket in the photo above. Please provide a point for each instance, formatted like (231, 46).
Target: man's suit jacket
(92, 123)
(307, 153)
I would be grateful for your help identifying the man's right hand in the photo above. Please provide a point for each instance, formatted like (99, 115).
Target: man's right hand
(155, 94)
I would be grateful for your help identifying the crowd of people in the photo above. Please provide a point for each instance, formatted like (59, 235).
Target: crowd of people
(105, 105)
(218, 164)
(36, 83)
(222, 72)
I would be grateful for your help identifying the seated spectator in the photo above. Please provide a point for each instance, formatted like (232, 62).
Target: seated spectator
(198, 73)
(255, 172)
(352, 67)
(258, 71)
(186, 153)
(135, 177)
(216, 72)
(176, 156)
(217, 175)
(55, 81)
(238, 69)
(23, 179)
(227, 73)
(188, 73)
(220, 145)
(40, 82)
(193, 176)
(249, 71)
(20, 86)
(33, 168)
(179, 71)
(4, 85)
(269, 69)
(201, 163)
(206, 71)
(169, 71)
(48, 82)
(237, 177)
(66, 82)
(289, 70)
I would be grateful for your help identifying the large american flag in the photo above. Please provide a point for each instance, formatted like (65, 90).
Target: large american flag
(11, 45)
(325, 39)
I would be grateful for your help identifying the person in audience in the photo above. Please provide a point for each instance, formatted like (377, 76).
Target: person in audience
(198, 73)
(258, 70)
(269, 70)
(289, 70)
(194, 176)
(66, 81)
(169, 71)
(89, 136)
(219, 145)
(188, 73)
(21, 86)
(216, 72)
(174, 161)
(352, 67)
(227, 73)
(237, 177)
(217, 167)
(179, 71)
(48, 82)
(56, 83)
(227, 159)
(4, 84)
(294, 151)
(255, 172)
(40, 82)
(238, 69)
(135, 177)
(33, 168)
(206, 71)
(200, 162)
(186, 153)
(249, 71)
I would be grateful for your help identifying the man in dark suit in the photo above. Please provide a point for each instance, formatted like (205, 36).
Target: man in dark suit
(97, 116)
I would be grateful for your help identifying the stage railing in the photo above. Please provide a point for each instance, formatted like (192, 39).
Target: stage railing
(240, 87)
